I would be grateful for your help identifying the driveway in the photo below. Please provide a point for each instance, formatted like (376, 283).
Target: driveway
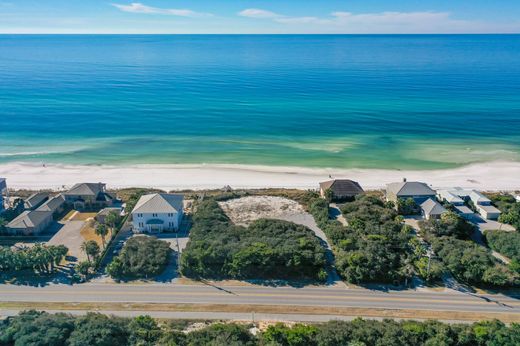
(68, 234)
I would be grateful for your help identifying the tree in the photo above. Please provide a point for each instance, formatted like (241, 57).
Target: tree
(329, 195)
(144, 331)
(141, 257)
(83, 268)
(112, 219)
(102, 231)
(97, 329)
(37, 328)
(91, 249)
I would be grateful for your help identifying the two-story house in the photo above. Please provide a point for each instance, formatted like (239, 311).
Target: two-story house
(158, 212)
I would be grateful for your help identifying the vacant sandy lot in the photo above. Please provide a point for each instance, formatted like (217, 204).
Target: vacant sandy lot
(242, 211)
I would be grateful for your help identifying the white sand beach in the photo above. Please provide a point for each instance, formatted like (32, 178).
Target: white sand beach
(482, 176)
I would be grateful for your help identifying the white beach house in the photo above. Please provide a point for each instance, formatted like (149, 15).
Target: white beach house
(157, 213)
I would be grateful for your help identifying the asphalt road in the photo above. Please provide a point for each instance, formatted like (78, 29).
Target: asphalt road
(308, 296)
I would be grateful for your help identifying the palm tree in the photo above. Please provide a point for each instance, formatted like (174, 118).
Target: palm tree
(92, 249)
(102, 231)
(112, 219)
(83, 268)
(84, 249)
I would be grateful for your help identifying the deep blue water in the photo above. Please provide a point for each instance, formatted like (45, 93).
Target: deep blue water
(389, 101)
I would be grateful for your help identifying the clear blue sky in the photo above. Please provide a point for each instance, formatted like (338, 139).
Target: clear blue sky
(260, 16)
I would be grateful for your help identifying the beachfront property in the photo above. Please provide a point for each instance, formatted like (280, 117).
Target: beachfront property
(341, 189)
(30, 222)
(35, 200)
(88, 196)
(483, 206)
(419, 192)
(458, 203)
(458, 197)
(431, 209)
(3, 190)
(55, 205)
(158, 212)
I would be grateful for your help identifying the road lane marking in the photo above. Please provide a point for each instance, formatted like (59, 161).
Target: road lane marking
(273, 295)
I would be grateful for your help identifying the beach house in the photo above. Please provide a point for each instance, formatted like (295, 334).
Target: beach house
(458, 203)
(30, 222)
(35, 200)
(55, 205)
(341, 189)
(88, 196)
(432, 209)
(3, 190)
(483, 206)
(158, 212)
(415, 190)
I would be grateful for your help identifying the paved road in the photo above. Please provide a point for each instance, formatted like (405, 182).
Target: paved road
(309, 296)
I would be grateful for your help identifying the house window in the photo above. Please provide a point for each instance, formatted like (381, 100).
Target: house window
(154, 215)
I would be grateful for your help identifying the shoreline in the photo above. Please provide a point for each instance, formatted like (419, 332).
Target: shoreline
(490, 176)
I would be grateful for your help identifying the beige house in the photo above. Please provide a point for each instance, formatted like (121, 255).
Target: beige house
(56, 205)
(32, 222)
(88, 195)
(432, 209)
(419, 192)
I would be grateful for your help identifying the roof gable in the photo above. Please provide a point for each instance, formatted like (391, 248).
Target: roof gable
(86, 189)
(432, 207)
(342, 187)
(410, 188)
(159, 203)
(29, 219)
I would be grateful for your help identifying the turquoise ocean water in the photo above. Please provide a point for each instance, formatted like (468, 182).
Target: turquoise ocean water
(409, 102)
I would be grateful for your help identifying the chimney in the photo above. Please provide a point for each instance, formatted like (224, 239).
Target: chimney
(404, 180)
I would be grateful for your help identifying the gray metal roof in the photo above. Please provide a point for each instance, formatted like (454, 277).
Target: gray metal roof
(450, 197)
(29, 219)
(35, 199)
(159, 203)
(478, 198)
(432, 207)
(86, 189)
(410, 188)
(52, 204)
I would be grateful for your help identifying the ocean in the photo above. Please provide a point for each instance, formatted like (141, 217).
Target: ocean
(345, 101)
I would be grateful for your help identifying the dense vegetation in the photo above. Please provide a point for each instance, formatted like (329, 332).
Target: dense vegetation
(450, 224)
(43, 329)
(267, 249)
(141, 257)
(506, 243)
(408, 206)
(375, 247)
(466, 260)
(39, 258)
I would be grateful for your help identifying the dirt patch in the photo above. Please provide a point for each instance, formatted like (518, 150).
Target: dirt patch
(243, 211)
(83, 216)
(88, 232)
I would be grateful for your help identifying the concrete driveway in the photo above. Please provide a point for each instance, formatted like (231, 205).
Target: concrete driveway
(68, 234)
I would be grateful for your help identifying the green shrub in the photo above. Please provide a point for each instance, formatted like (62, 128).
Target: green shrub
(267, 249)
(141, 257)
